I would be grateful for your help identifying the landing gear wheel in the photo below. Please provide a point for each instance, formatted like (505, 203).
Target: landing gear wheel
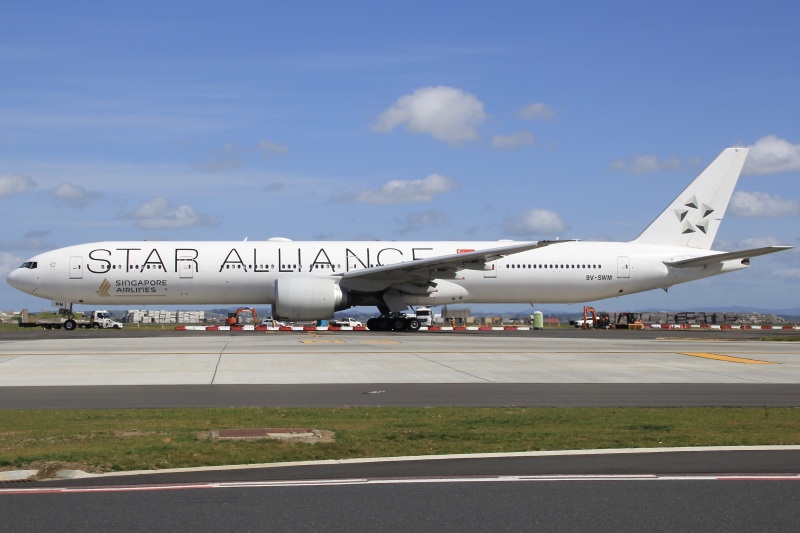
(384, 324)
(372, 324)
(413, 324)
(399, 324)
(70, 325)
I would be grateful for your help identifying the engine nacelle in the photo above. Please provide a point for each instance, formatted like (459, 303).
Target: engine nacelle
(307, 298)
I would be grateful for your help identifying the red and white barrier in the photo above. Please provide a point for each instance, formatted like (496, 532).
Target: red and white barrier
(717, 327)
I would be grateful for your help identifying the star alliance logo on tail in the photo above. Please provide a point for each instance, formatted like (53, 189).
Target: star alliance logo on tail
(103, 289)
(695, 210)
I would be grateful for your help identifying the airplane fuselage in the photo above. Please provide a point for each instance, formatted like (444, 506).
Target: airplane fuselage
(245, 272)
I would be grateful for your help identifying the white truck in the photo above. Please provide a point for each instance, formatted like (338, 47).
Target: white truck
(95, 319)
(424, 315)
(272, 323)
(346, 323)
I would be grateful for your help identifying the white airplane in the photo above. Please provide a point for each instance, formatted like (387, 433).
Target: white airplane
(311, 280)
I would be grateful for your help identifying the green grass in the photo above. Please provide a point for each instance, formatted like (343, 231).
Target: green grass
(780, 338)
(118, 440)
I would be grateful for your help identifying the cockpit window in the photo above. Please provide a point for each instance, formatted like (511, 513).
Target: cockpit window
(29, 264)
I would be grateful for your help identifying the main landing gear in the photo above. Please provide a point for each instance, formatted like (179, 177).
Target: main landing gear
(393, 322)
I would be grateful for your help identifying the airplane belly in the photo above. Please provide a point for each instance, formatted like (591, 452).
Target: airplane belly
(524, 288)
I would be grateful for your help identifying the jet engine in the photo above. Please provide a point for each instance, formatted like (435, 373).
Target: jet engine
(307, 298)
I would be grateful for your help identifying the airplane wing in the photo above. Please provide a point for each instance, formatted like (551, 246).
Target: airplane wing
(726, 256)
(439, 267)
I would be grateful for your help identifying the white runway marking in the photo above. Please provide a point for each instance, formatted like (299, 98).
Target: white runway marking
(395, 481)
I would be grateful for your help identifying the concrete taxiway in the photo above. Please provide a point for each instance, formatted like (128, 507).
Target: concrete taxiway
(233, 359)
(98, 369)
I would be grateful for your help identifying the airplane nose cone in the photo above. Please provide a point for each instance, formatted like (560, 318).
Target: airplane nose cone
(22, 280)
(13, 278)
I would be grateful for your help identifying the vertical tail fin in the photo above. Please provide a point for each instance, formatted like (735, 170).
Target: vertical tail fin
(693, 218)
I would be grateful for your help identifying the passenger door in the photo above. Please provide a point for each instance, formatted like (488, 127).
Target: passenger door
(623, 267)
(76, 267)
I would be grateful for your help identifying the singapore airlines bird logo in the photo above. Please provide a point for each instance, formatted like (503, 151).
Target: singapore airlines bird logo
(103, 290)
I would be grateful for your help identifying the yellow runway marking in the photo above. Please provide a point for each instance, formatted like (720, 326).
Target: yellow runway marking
(728, 358)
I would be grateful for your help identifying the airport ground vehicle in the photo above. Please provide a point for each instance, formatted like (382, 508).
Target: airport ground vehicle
(629, 321)
(99, 319)
(597, 320)
(424, 315)
(272, 323)
(346, 322)
(593, 319)
(233, 318)
(580, 322)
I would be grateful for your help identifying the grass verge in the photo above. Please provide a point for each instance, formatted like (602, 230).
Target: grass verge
(133, 439)
(780, 338)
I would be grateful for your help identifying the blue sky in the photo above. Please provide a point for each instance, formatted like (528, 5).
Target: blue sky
(417, 120)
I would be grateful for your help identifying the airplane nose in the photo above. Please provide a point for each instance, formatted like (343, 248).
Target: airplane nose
(22, 280)
(13, 278)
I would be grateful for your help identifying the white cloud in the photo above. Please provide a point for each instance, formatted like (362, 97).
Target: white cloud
(159, 213)
(414, 222)
(749, 243)
(225, 158)
(535, 222)
(513, 140)
(787, 273)
(445, 113)
(772, 155)
(8, 262)
(409, 191)
(11, 184)
(31, 240)
(232, 155)
(645, 164)
(73, 196)
(269, 148)
(761, 204)
(536, 111)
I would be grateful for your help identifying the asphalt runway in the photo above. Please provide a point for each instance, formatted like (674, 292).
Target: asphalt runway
(479, 505)
(56, 369)
(737, 490)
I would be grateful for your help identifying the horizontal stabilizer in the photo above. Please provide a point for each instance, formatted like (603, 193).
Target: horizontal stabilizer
(726, 256)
